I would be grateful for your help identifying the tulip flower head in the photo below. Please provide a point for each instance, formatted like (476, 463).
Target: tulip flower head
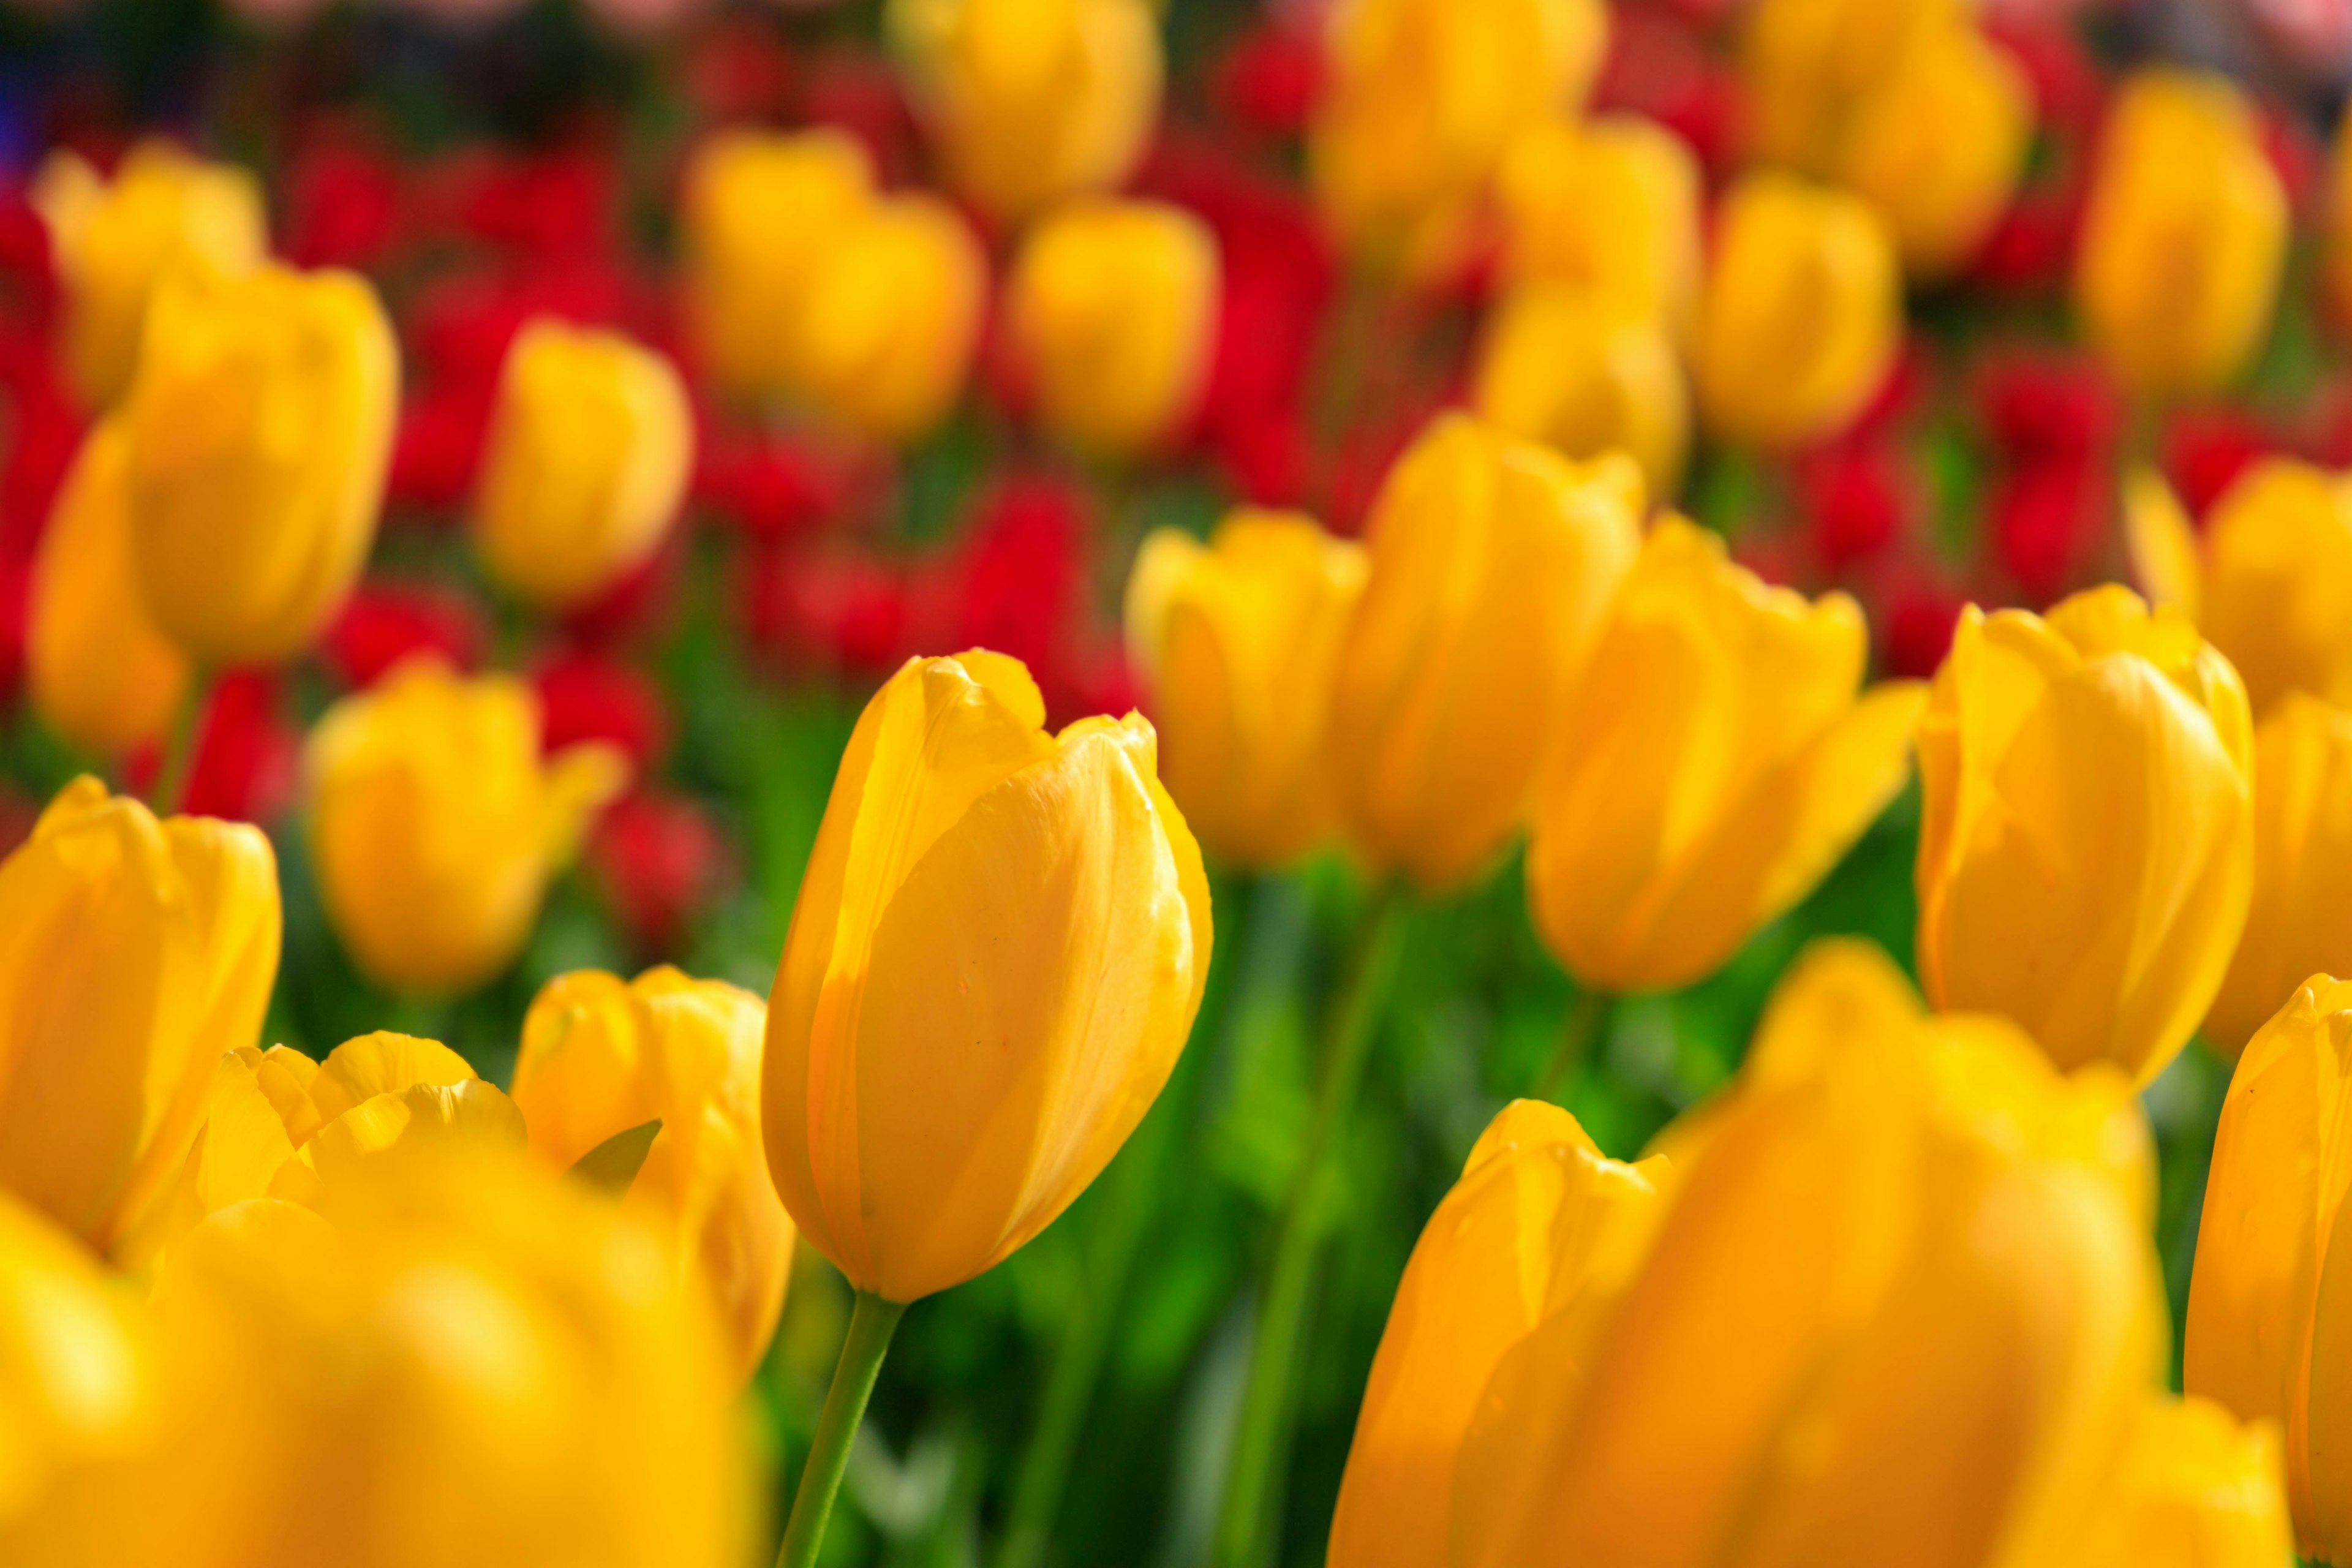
(998, 947)
(2194, 1487)
(1609, 208)
(1809, 66)
(2087, 855)
(886, 337)
(1237, 642)
(1560, 366)
(1939, 146)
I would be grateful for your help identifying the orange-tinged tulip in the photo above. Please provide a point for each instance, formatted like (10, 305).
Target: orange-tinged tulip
(2193, 1489)
(2087, 854)
(1563, 366)
(132, 953)
(1938, 147)
(2269, 1333)
(97, 669)
(1540, 1224)
(1801, 315)
(261, 430)
(601, 1054)
(590, 446)
(1810, 65)
(1237, 642)
(1034, 101)
(2184, 236)
(998, 946)
(435, 824)
(113, 242)
(757, 212)
(1718, 756)
(1112, 307)
(1493, 563)
(886, 337)
(1609, 207)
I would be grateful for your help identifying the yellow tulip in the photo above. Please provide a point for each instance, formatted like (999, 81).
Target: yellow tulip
(601, 1055)
(1541, 1224)
(2184, 236)
(114, 242)
(132, 953)
(97, 669)
(998, 946)
(1237, 641)
(2086, 855)
(1421, 100)
(1810, 65)
(1493, 563)
(2193, 1489)
(1802, 312)
(2266, 1335)
(1938, 145)
(892, 318)
(260, 428)
(590, 446)
(757, 212)
(1034, 101)
(1562, 366)
(1718, 758)
(1112, 305)
(1609, 206)
(434, 825)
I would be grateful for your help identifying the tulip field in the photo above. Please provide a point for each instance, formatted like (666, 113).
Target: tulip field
(1175, 783)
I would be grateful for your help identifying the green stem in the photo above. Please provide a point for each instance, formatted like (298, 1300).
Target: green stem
(1247, 1525)
(871, 1325)
(180, 746)
(1588, 1021)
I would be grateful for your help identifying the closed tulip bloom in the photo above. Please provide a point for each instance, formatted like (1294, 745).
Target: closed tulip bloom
(886, 337)
(2267, 1328)
(113, 243)
(1718, 758)
(1609, 207)
(756, 213)
(1493, 562)
(1034, 101)
(1802, 312)
(260, 428)
(1237, 642)
(1420, 101)
(998, 946)
(1112, 306)
(132, 953)
(1808, 66)
(590, 446)
(2087, 854)
(2195, 1488)
(1540, 1224)
(2184, 237)
(97, 671)
(1938, 148)
(435, 825)
(1562, 366)
(601, 1054)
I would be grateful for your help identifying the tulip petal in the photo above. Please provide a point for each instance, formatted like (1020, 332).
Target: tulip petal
(382, 1063)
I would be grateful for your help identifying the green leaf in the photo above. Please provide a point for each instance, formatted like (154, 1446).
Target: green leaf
(613, 1165)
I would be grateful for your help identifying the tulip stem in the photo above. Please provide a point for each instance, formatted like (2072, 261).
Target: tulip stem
(1588, 1021)
(871, 1325)
(180, 745)
(1247, 1525)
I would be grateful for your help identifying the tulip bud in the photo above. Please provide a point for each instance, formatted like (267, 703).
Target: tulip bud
(756, 213)
(2183, 237)
(1609, 206)
(975, 879)
(1113, 308)
(260, 428)
(132, 953)
(1541, 1224)
(590, 444)
(1938, 147)
(1803, 314)
(892, 318)
(1492, 562)
(113, 244)
(1559, 365)
(2196, 1488)
(2264, 1335)
(2087, 854)
(1419, 102)
(97, 671)
(1718, 758)
(1237, 642)
(601, 1055)
(1808, 66)
(434, 825)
